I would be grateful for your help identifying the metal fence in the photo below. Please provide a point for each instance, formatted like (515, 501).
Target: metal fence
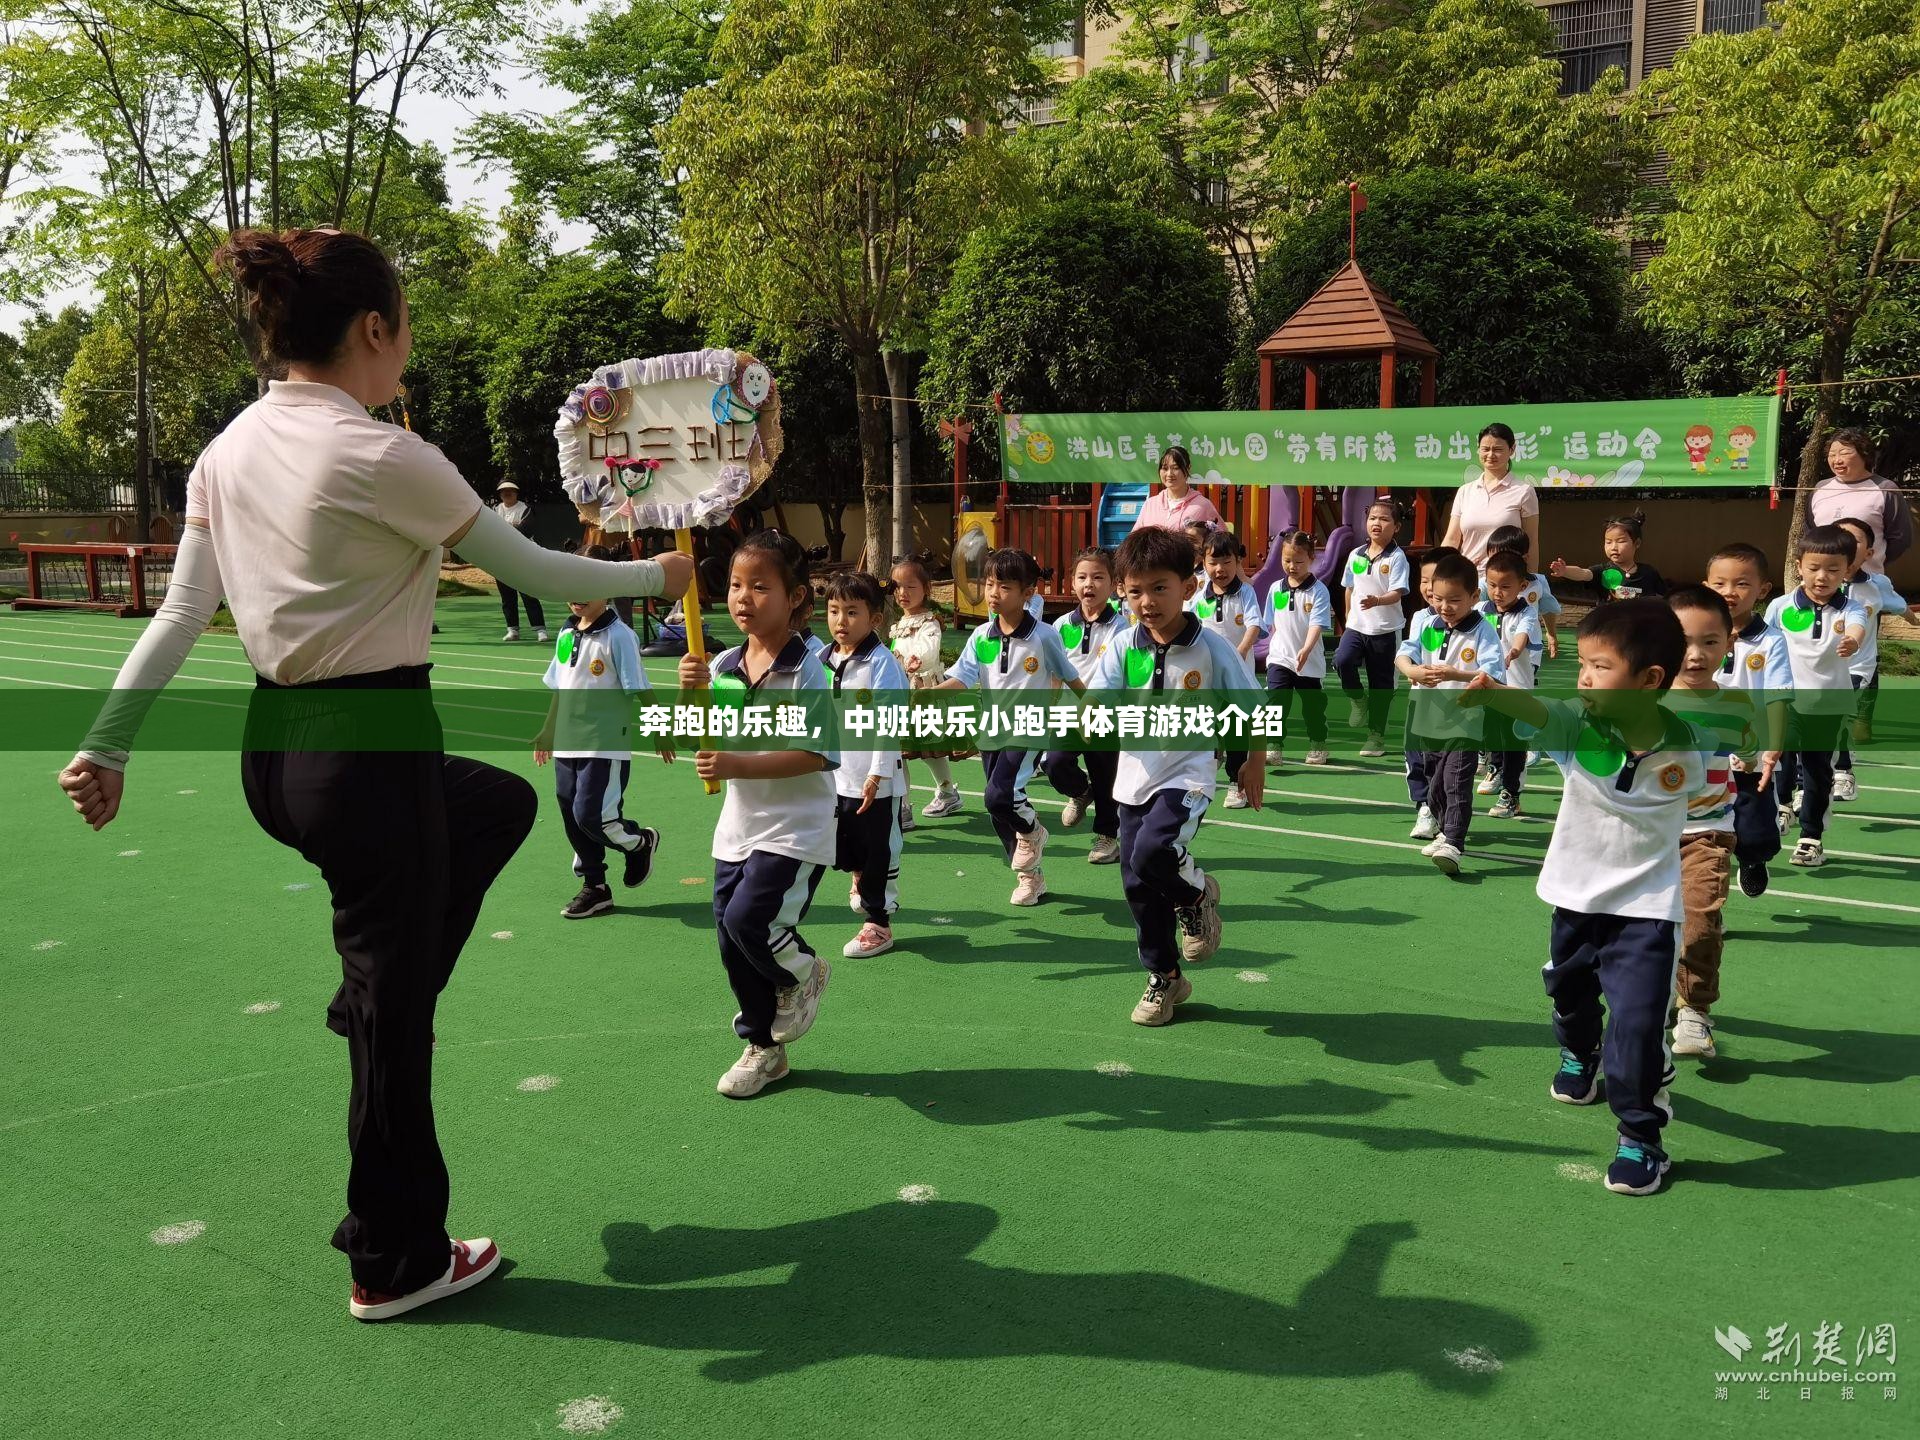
(52, 490)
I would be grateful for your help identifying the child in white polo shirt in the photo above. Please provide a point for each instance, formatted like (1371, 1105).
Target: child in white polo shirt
(1229, 606)
(1757, 665)
(1085, 633)
(1377, 580)
(869, 783)
(1299, 615)
(1163, 793)
(1010, 653)
(1448, 653)
(1875, 595)
(1823, 630)
(1505, 582)
(1425, 826)
(594, 669)
(1612, 872)
(776, 835)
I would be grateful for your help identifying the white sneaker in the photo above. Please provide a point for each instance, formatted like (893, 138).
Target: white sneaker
(1028, 848)
(1376, 744)
(471, 1262)
(1431, 845)
(947, 800)
(797, 1006)
(1810, 854)
(1236, 798)
(510, 635)
(1425, 826)
(1507, 807)
(1074, 811)
(1445, 856)
(543, 637)
(757, 1068)
(1785, 817)
(1030, 888)
(906, 814)
(1845, 787)
(1489, 784)
(1318, 757)
(853, 895)
(1693, 1034)
(872, 940)
(1199, 924)
(1534, 757)
(1105, 851)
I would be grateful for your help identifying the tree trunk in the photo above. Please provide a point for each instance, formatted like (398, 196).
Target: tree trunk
(142, 419)
(899, 382)
(1833, 367)
(869, 380)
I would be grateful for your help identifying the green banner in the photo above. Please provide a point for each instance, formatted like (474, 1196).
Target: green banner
(1625, 444)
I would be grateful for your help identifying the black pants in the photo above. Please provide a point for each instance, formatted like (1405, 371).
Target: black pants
(1863, 715)
(1808, 763)
(1008, 772)
(758, 904)
(1450, 791)
(1756, 826)
(591, 793)
(1416, 771)
(1629, 965)
(510, 607)
(1063, 772)
(868, 846)
(1313, 702)
(408, 843)
(1157, 873)
(1375, 652)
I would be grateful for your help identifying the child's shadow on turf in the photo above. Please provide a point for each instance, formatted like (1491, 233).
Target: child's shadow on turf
(1821, 930)
(1807, 1157)
(899, 1281)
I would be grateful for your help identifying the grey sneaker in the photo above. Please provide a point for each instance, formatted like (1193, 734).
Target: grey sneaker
(1376, 744)
(1105, 851)
(947, 800)
(1507, 807)
(906, 814)
(1200, 924)
(1693, 1034)
(1074, 811)
(758, 1067)
(1163, 993)
(1809, 854)
(1425, 826)
(1445, 856)
(796, 1006)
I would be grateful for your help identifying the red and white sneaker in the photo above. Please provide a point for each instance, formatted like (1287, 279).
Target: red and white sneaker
(472, 1262)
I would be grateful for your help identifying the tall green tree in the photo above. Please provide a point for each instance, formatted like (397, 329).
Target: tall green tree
(832, 170)
(1795, 162)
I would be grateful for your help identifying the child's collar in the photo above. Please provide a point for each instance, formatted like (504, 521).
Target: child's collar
(1019, 632)
(792, 656)
(1189, 633)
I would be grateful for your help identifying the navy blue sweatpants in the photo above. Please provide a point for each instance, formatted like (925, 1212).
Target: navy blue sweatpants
(590, 793)
(868, 846)
(1375, 653)
(1807, 763)
(1629, 964)
(1756, 825)
(1063, 772)
(758, 904)
(1008, 772)
(1157, 873)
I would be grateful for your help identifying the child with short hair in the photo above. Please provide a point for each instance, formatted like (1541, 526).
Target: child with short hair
(1520, 645)
(1086, 631)
(1229, 605)
(1757, 664)
(1456, 645)
(1876, 596)
(1621, 576)
(1300, 613)
(1539, 591)
(1011, 652)
(1824, 630)
(1612, 872)
(917, 637)
(1198, 532)
(868, 784)
(1425, 826)
(1707, 839)
(596, 654)
(776, 835)
(1163, 794)
(1377, 581)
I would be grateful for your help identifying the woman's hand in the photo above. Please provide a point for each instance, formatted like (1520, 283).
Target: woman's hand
(94, 789)
(676, 571)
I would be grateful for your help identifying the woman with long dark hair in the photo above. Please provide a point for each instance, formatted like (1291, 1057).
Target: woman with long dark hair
(323, 528)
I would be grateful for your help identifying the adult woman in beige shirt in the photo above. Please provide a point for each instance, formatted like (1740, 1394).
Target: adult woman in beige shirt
(1494, 500)
(323, 529)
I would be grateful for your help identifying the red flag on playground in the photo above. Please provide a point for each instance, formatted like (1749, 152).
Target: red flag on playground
(1359, 196)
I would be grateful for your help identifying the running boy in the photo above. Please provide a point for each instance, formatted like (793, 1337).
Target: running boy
(1163, 793)
(1377, 581)
(1085, 633)
(594, 669)
(1875, 594)
(1520, 646)
(1227, 604)
(1455, 646)
(1757, 664)
(1612, 872)
(1425, 827)
(869, 784)
(1013, 652)
(1300, 615)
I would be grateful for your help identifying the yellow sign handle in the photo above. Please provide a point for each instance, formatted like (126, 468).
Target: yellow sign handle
(690, 613)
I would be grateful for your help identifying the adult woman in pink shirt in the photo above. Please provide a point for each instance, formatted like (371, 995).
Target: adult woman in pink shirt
(1176, 504)
(1494, 500)
(1854, 492)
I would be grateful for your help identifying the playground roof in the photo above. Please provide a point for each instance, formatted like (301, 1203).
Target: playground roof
(1349, 315)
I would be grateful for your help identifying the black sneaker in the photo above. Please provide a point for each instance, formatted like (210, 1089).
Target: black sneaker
(1637, 1168)
(1753, 878)
(1577, 1081)
(640, 859)
(592, 900)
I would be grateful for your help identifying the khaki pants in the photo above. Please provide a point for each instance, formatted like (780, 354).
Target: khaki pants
(1706, 865)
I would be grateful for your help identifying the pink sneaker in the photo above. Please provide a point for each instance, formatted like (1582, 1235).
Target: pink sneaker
(1028, 848)
(872, 940)
(472, 1262)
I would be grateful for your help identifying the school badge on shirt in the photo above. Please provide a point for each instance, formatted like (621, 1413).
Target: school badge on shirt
(598, 666)
(1672, 777)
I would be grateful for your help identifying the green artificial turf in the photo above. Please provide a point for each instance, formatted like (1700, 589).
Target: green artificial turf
(1333, 1198)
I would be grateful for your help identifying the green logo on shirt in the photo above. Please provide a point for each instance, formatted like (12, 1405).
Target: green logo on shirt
(729, 690)
(1360, 566)
(1433, 638)
(986, 649)
(1139, 666)
(1206, 609)
(1282, 597)
(1611, 578)
(1794, 618)
(1073, 633)
(565, 650)
(1597, 754)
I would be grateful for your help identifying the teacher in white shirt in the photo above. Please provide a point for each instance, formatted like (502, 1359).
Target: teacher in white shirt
(323, 529)
(1494, 500)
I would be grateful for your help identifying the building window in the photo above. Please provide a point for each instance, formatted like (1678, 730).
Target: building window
(1071, 44)
(1732, 17)
(1211, 193)
(1040, 110)
(1194, 57)
(1594, 35)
